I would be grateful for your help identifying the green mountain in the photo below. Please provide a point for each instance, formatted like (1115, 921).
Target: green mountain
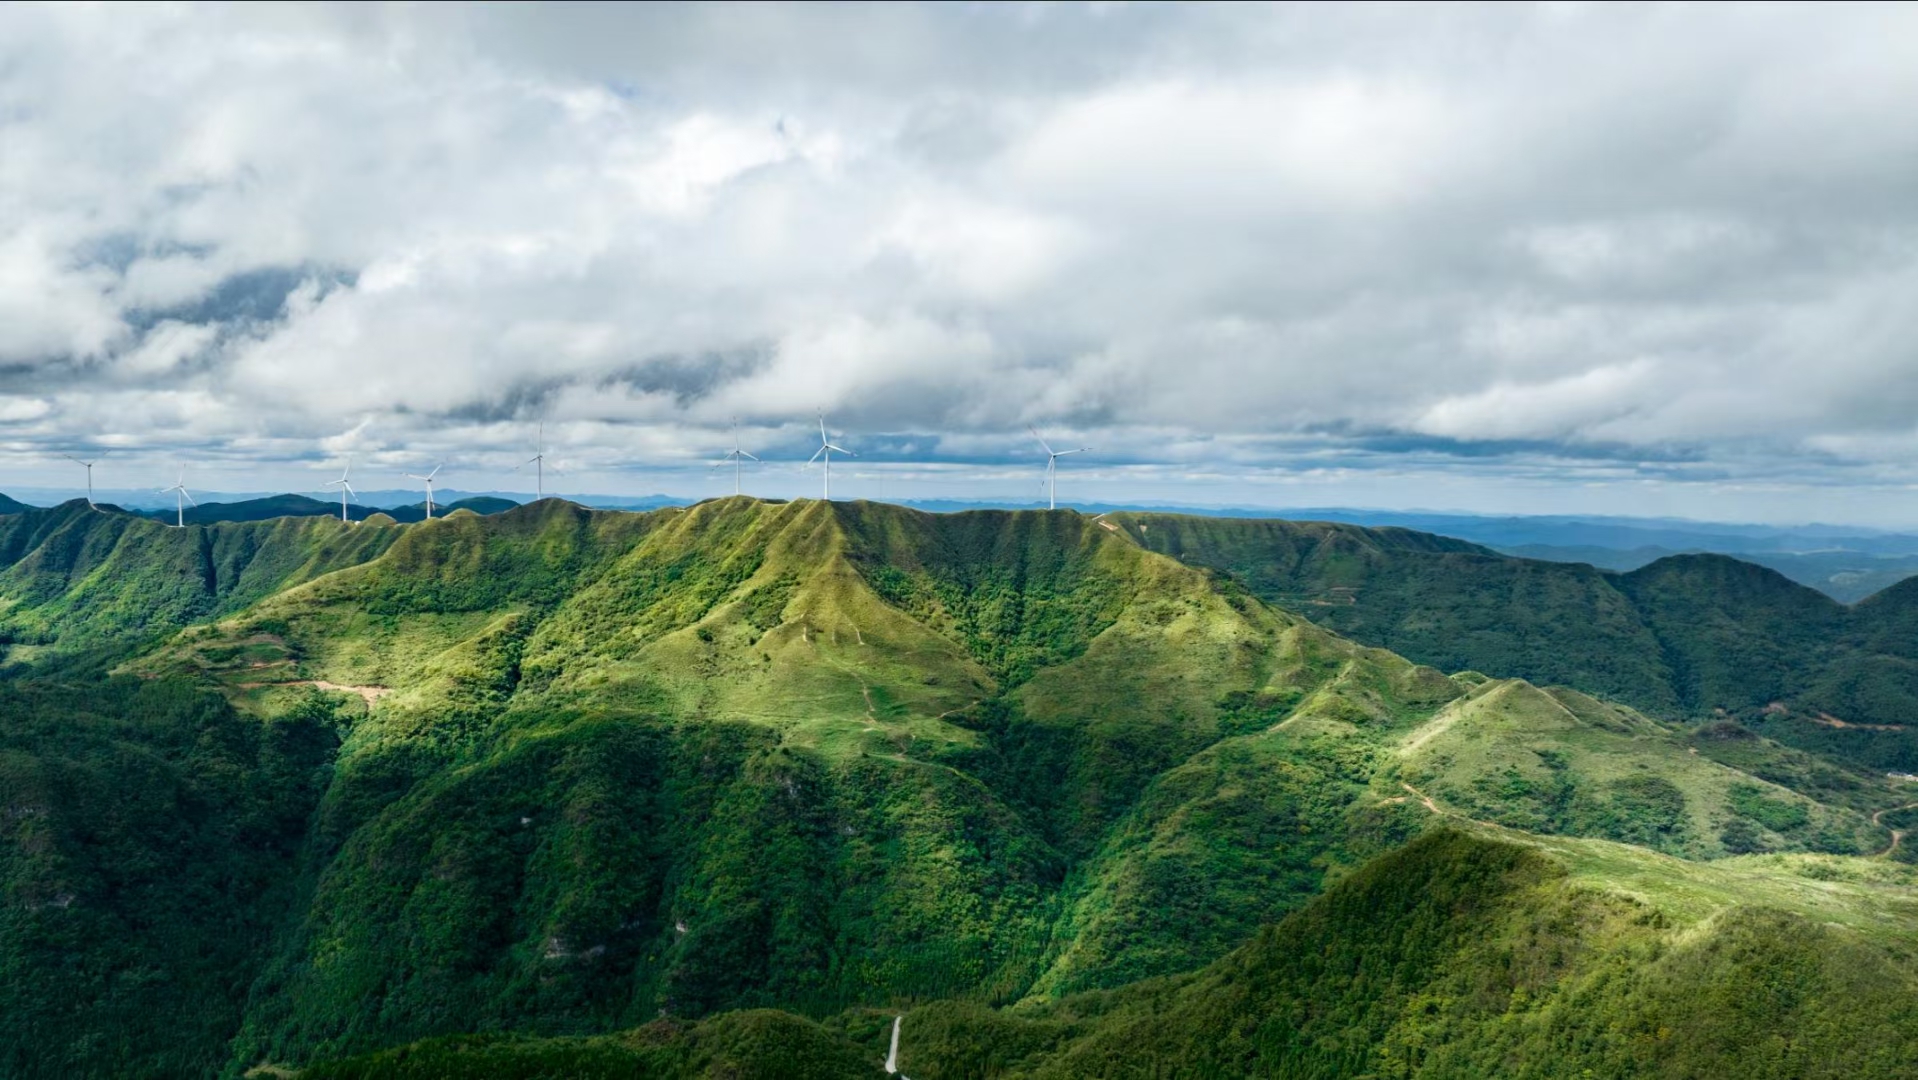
(77, 578)
(9, 505)
(697, 792)
(1466, 953)
(1700, 636)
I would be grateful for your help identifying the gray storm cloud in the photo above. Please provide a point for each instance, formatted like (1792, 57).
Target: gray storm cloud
(1524, 242)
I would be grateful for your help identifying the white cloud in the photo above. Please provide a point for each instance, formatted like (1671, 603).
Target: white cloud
(1258, 233)
(1560, 408)
(165, 347)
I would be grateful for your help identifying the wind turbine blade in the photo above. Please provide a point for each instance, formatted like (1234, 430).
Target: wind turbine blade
(815, 455)
(1063, 453)
(189, 496)
(349, 489)
(839, 450)
(1041, 438)
(435, 472)
(744, 454)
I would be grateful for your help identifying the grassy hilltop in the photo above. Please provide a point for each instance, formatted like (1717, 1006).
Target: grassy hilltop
(600, 789)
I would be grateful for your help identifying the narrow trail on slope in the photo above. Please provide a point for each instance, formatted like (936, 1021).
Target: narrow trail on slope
(865, 689)
(368, 694)
(1434, 808)
(1897, 835)
(1422, 797)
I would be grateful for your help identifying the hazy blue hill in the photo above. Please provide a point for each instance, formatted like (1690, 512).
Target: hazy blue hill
(1674, 535)
(208, 513)
(478, 504)
(1845, 576)
(276, 506)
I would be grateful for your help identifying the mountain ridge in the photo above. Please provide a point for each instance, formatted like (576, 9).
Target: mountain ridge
(565, 769)
(1697, 635)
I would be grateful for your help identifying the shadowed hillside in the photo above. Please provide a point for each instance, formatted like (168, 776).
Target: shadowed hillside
(1463, 954)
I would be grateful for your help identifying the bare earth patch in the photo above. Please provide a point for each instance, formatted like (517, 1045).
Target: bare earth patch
(1824, 719)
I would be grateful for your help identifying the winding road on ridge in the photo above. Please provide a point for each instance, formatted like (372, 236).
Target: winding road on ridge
(1897, 835)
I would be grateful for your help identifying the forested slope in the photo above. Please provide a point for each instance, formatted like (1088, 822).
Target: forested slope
(1701, 636)
(78, 578)
(581, 770)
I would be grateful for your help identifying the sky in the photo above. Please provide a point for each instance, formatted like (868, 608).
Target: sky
(1565, 258)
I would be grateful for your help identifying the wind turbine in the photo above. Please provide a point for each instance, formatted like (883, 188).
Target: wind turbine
(181, 498)
(1052, 467)
(538, 462)
(345, 488)
(736, 456)
(428, 478)
(89, 465)
(827, 448)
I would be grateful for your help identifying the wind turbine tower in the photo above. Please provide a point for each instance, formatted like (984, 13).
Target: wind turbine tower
(345, 488)
(428, 479)
(538, 462)
(181, 498)
(828, 449)
(736, 456)
(89, 465)
(1052, 467)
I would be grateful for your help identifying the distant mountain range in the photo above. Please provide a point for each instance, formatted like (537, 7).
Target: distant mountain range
(275, 506)
(1845, 563)
(147, 499)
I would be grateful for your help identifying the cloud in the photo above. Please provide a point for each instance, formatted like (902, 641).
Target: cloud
(1260, 243)
(1555, 409)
